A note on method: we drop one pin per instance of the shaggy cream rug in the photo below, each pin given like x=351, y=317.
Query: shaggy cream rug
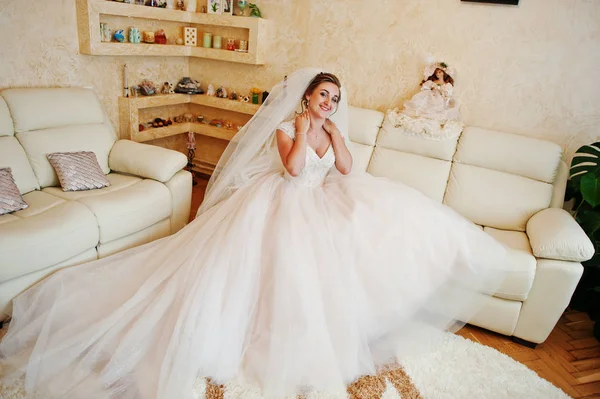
x=455, y=368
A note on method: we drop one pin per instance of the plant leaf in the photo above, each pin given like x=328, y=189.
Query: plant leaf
x=590, y=188
x=586, y=159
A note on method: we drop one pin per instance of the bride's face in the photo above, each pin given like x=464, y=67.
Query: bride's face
x=323, y=101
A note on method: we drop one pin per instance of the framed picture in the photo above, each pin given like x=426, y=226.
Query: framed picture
x=214, y=7
x=507, y=2
x=227, y=7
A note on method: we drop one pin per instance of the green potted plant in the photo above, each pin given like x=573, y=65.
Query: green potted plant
x=583, y=189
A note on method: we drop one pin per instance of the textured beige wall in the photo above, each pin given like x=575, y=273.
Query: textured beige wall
x=40, y=48
x=528, y=69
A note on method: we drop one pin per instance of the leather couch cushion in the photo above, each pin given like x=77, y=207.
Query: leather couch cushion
x=427, y=175
x=48, y=232
x=46, y=108
x=554, y=234
x=496, y=199
x=13, y=156
x=509, y=153
x=117, y=182
x=128, y=205
x=396, y=139
x=363, y=125
x=97, y=138
x=521, y=264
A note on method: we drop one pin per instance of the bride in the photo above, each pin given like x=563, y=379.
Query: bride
x=297, y=275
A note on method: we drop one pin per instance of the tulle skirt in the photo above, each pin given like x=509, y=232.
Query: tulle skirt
x=280, y=287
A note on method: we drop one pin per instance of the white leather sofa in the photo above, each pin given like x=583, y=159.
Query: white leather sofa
x=149, y=196
x=512, y=187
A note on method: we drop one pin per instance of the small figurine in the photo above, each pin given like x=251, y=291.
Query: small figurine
x=119, y=35
x=159, y=122
x=188, y=86
x=180, y=5
x=254, y=11
x=216, y=122
x=245, y=99
x=179, y=41
x=147, y=88
x=134, y=35
x=160, y=37
x=188, y=117
x=167, y=88
x=200, y=118
x=228, y=125
x=105, y=35
x=210, y=91
x=265, y=94
x=233, y=96
x=148, y=37
x=222, y=92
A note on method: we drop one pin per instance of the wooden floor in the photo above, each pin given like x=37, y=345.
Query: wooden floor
x=570, y=357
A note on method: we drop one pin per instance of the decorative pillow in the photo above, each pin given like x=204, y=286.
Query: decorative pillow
x=78, y=171
x=10, y=197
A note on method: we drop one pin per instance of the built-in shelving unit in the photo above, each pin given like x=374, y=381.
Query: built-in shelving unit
x=130, y=109
x=91, y=12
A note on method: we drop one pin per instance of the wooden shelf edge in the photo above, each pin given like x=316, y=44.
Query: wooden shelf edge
x=139, y=11
x=226, y=104
x=167, y=14
x=169, y=50
x=161, y=132
x=157, y=100
x=213, y=131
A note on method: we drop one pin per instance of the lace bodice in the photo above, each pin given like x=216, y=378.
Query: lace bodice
x=315, y=168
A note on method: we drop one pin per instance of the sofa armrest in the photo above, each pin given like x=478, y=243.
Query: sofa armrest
x=144, y=160
x=554, y=234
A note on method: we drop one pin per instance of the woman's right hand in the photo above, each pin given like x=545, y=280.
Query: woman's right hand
x=302, y=123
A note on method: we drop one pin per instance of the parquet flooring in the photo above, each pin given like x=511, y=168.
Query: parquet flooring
x=569, y=359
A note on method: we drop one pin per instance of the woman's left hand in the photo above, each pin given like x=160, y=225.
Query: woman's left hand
x=330, y=127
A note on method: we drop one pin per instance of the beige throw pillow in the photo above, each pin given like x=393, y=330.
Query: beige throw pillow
x=10, y=197
x=78, y=171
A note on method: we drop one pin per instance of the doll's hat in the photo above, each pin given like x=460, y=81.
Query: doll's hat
x=430, y=69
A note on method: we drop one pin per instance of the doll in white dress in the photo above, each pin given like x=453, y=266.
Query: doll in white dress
x=432, y=112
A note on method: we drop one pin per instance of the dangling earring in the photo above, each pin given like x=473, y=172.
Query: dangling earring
x=304, y=104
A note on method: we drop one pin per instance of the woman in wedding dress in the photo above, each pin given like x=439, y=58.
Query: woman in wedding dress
x=297, y=275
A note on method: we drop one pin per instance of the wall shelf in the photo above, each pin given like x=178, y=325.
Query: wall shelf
x=131, y=107
x=89, y=14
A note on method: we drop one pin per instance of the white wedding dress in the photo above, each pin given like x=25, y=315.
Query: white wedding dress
x=289, y=285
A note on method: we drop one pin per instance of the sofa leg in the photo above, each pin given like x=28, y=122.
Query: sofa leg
x=523, y=342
